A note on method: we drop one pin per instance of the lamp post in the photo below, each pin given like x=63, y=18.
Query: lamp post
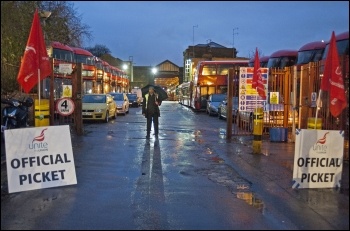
x=44, y=15
x=131, y=68
x=233, y=41
x=154, y=72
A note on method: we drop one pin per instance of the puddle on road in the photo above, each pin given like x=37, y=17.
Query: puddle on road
x=250, y=199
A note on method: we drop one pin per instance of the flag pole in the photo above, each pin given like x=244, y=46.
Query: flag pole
x=256, y=103
x=318, y=103
x=39, y=104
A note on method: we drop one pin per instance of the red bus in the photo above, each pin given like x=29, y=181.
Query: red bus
x=107, y=75
x=342, y=41
x=211, y=78
x=99, y=75
x=125, y=82
x=119, y=80
x=88, y=69
x=263, y=61
x=282, y=59
x=311, y=52
x=62, y=54
x=114, y=78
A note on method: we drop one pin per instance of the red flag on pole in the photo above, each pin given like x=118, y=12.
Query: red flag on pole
x=35, y=65
x=332, y=80
x=258, y=82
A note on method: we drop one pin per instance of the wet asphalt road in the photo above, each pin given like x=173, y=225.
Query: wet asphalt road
x=189, y=178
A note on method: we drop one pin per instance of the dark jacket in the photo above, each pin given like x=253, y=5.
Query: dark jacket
x=149, y=106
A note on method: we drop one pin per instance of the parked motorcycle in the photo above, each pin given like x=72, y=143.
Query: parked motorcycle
x=15, y=114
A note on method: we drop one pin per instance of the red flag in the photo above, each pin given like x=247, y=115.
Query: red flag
x=35, y=61
x=332, y=80
x=258, y=82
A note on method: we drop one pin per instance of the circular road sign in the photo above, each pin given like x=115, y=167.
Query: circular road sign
x=65, y=106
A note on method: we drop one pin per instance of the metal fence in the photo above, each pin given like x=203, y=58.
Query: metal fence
x=300, y=108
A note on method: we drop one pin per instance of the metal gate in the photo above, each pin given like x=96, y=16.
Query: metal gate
x=298, y=88
x=283, y=115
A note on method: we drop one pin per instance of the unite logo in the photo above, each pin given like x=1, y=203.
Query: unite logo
x=38, y=144
x=320, y=146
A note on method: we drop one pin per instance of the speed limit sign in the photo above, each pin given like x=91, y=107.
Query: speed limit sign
x=65, y=106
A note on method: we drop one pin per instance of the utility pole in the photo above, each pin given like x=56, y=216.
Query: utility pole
x=233, y=40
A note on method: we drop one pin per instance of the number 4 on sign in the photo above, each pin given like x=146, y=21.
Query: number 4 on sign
x=65, y=106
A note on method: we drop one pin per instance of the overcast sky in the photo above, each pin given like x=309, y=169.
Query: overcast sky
x=152, y=32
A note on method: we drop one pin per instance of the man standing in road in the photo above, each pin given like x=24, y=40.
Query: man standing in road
x=150, y=109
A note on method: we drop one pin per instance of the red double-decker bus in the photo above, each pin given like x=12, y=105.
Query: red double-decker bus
x=61, y=54
x=263, y=61
x=106, y=77
x=282, y=59
x=125, y=82
x=311, y=52
x=114, y=78
x=211, y=78
x=88, y=70
x=342, y=41
x=119, y=80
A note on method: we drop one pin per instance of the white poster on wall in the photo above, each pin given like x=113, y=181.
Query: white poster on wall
x=40, y=157
x=318, y=159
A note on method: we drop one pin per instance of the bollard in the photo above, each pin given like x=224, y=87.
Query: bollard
x=257, y=129
x=42, y=113
x=312, y=123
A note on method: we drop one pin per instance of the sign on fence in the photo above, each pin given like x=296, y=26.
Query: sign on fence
x=249, y=98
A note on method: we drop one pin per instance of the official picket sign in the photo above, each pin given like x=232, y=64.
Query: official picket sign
x=318, y=159
x=40, y=157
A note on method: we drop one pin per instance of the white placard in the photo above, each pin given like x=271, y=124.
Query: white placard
x=318, y=159
x=40, y=157
x=65, y=68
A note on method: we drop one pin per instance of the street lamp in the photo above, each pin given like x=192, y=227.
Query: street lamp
x=44, y=15
x=154, y=72
x=131, y=68
x=125, y=67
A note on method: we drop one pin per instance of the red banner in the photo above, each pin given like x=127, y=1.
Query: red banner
x=332, y=80
x=258, y=82
x=35, y=65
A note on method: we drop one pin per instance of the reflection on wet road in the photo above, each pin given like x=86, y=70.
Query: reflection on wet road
x=149, y=209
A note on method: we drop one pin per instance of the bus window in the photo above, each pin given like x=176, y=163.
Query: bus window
x=342, y=41
x=209, y=70
x=223, y=69
x=263, y=61
x=311, y=52
x=282, y=58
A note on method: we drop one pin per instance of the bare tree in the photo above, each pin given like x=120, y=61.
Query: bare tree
x=63, y=25
x=252, y=53
x=98, y=50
